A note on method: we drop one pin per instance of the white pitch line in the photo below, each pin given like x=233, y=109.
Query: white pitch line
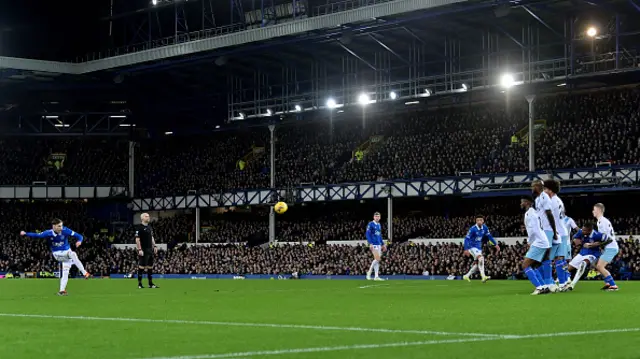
x=254, y=325
x=373, y=286
x=394, y=345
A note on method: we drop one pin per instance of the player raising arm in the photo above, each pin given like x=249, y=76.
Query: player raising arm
x=58, y=239
x=473, y=247
x=376, y=245
x=538, y=245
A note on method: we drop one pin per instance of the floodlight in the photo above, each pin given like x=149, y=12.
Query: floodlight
x=592, y=31
x=427, y=92
x=393, y=95
x=269, y=112
x=168, y=133
x=507, y=81
x=331, y=103
x=241, y=115
x=217, y=126
x=298, y=108
x=364, y=99
x=464, y=87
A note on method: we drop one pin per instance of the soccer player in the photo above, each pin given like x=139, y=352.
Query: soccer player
x=538, y=245
x=570, y=225
x=473, y=248
x=610, y=250
x=543, y=206
x=58, y=238
x=590, y=242
x=376, y=245
x=559, y=247
x=146, y=244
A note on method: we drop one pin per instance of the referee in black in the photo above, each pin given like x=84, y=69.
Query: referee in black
x=146, y=245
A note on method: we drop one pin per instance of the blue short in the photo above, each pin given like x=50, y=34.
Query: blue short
x=535, y=253
x=564, y=249
x=609, y=254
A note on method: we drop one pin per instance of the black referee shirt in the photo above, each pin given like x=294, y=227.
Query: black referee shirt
x=145, y=233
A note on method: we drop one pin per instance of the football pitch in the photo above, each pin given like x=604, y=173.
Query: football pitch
x=189, y=319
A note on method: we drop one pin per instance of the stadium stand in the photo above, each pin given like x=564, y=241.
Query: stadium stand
x=473, y=138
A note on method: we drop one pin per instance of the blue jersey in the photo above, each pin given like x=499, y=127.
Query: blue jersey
x=595, y=236
x=57, y=242
x=374, y=233
x=476, y=234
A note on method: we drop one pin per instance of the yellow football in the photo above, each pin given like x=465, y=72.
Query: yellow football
x=280, y=207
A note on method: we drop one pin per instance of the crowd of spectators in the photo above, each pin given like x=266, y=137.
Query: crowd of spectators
x=100, y=258
x=581, y=129
x=86, y=161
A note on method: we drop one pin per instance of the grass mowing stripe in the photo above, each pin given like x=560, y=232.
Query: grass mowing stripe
x=253, y=325
x=392, y=345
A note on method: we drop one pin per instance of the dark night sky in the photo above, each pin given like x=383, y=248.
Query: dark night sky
x=52, y=30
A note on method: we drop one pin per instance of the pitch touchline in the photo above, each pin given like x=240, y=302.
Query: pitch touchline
x=392, y=345
x=254, y=325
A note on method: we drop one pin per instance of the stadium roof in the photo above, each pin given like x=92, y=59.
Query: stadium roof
x=193, y=86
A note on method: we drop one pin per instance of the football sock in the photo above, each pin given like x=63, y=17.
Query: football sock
x=533, y=277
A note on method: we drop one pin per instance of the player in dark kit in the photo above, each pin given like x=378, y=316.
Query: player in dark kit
x=146, y=245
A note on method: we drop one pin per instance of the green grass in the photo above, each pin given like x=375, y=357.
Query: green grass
x=498, y=307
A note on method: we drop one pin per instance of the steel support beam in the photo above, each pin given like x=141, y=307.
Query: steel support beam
x=356, y=55
x=530, y=12
x=384, y=46
x=507, y=34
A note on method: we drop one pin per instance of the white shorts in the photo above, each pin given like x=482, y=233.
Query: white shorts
x=62, y=256
x=575, y=262
x=377, y=249
x=475, y=252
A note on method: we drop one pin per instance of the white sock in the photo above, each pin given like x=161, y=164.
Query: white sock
x=64, y=277
x=481, y=266
x=376, y=267
x=473, y=269
x=373, y=264
x=77, y=263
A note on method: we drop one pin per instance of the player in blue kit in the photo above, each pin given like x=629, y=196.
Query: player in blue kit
x=58, y=238
x=376, y=245
x=473, y=248
x=590, y=242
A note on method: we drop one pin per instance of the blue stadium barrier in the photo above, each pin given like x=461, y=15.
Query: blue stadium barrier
x=275, y=277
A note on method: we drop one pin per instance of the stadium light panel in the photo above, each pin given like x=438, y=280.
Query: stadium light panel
x=393, y=95
x=331, y=103
x=364, y=99
x=118, y=116
x=427, y=92
x=592, y=32
x=154, y=2
x=464, y=87
x=507, y=81
x=217, y=126
x=269, y=112
x=241, y=115
x=298, y=108
x=168, y=133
